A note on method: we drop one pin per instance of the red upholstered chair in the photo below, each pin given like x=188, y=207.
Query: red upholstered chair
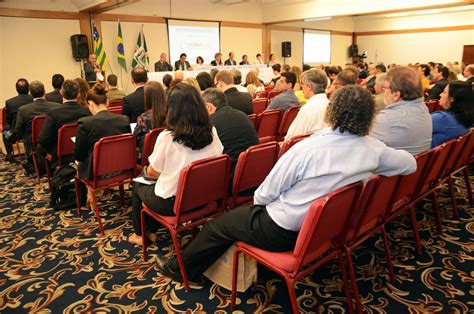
x=253, y=120
x=114, y=163
x=288, y=116
x=292, y=141
x=149, y=144
x=273, y=93
x=116, y=103
x=262, y=94
x=36, y=126
x=259, y=105
x=64, y=148
x=269, y=87
x=116, y=110
x=367, y=220
x=268, y=123
x=319, y=240
x=251, y=169
x=433, y=105
x=201, y=195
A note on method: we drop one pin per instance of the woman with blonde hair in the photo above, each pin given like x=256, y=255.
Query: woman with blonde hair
x=193, y=82
x=253, y=83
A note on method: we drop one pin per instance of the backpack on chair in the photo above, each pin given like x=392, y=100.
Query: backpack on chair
x=63, y=191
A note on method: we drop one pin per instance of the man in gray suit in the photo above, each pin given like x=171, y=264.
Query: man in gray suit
x=162, y=65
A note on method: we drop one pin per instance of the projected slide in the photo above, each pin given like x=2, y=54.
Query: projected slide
x=194, y=39
x=317, y=47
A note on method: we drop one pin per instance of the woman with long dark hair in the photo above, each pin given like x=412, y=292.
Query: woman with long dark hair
x=189, y=137
x=154, y=115
x=457, y=118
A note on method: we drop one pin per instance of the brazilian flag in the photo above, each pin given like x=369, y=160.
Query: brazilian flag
x=120, y=49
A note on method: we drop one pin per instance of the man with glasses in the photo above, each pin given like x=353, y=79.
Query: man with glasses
x=286, y=98
x=224, y=81
x=405, y=123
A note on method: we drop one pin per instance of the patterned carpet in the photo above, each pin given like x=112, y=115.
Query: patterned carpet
x=56, y=262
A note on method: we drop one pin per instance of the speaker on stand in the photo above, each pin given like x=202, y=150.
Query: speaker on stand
x=285, y=50
x=80, y=49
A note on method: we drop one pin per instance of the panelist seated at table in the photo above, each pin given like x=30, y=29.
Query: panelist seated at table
x=182, y=64
x=162, y=65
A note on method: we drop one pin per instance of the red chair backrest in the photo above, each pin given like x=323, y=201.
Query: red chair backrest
x=116, y=103
x=273, y=93
x=326, y=223
x=433, y=105
x=268, y=122
x=262, y=94
x=292, y=141
x=286, y=120
x=202, y=182
x=65, y=144
x=253, y=166
x=269, y=87
x=114, y=154
x=259, y=105
x=253, y=120
x=466, y=153
x=116, y=110
x=455, y=155
x=149, y=144
x=36, y=126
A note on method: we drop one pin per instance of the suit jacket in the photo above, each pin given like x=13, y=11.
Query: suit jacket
x=162, y=67
x=114, y=93
x=25, y=117
x=54, y=96
x=214, y=63
x=438, y=88
x=238, y=100
x=89, y=72
x=13, y=105
x=134, y=104
x=228, y=62
x=68, y=112
x=470, y=80
x=89, y=131
x=177, y=65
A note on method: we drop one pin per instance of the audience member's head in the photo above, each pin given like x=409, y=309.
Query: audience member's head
x=57, y=81
x=223, y=80
x=306, y=67
x=379, y=81
x=297, y=70
x=344, y=78
x=83, y=91
x=469, y=71
x=205, y=80
x=252, y=78
x=155, y=100
x=139, y=76
x=214, y=99
x=372, y=69
x=167, y=78
x=22, y=86
x=237, y=76
x=424, y=70
x=96, y=97
x=179, y=75
x=276, y=68
x=440, y=72
x=353, y=69
x=287, y=81
x=380, y=68
x=402, y=83
x=452, y=76
x=112, y=80
x=214, y=73
x=458, y=98
x=313, y=82
x=351, y=110
x=70, y=90
x=285, y=68
x=37, y=89
x=193, y=82
x=331, y=72
x=361, y=66
x=187, y=117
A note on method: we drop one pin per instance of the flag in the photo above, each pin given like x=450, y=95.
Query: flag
x=120, y=49
x=99, y=48
x=140, y=57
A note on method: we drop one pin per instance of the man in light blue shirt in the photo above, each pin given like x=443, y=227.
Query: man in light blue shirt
x=330, y=159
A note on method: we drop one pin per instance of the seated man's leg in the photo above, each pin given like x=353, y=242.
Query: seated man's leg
x=251, y=225
x=8, y=145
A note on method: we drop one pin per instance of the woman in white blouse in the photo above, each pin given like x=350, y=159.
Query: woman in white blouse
x=189, y=137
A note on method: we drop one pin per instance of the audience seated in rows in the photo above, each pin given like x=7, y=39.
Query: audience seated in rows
x=405, y=123
x=193, y=82
x=275, y=82
x=469, y=73
x=55, y=96
x=362, y=70
x=457, y=118
x=205, y=80
x=440, y=76
x=83, y=91
x=379, y=93
x=113, y=92
x=286, y=98
x=134, y=103
x=424, y=71
x=189, y=136
x=253, y=83
x=310, y=118
x=154, y=115
x=343, y=78
x=238, y=80
x=224, y=81
x=310, y=169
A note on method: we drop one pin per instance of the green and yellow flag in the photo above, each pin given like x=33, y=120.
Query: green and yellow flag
x=120, y=49
x=99, y=48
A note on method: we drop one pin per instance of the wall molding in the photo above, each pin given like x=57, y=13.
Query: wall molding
x=417, y=30
x=41, y=14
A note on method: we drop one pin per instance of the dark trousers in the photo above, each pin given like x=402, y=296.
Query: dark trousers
x=7, y=141
x=251, y=225
x=146, y=194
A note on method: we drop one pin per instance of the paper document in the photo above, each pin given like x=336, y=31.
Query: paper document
x=73, y=139
x=142, y=180
x=132, y=126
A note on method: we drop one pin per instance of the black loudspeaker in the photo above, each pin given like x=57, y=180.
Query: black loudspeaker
x=80, y=47
x=353, y=51
x=286, y=49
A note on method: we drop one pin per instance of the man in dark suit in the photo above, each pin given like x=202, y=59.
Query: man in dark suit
x=440, y=75
x=134, y=103
x=91, y=69
x=55, y=95
x=68, y=112
x=224, y=81
x=25, y=116
x=231, y=60
x=12, y=106
x=162, y=65
x=182, y=64
x=469, y=73
x=217, y=59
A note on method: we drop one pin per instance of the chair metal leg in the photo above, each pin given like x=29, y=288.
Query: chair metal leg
x=96, y=209
x=177, y=248
x=355, y=289
x=122, y=195
x=345, y=281
x=434, y=204
x=235, y=269
x=78, y=198
x=452, y=194
x=35, y=164
x=414, y=227
x=468, y=185
x=143, y=230
x=387, y=254
x=291, y=291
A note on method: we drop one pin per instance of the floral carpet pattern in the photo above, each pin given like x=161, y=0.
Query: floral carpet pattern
x=58, y=262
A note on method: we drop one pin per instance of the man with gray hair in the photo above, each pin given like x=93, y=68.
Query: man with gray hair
x=378, y=96
x=310, y=118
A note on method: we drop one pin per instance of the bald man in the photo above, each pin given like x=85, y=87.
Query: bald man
x=162, y=65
